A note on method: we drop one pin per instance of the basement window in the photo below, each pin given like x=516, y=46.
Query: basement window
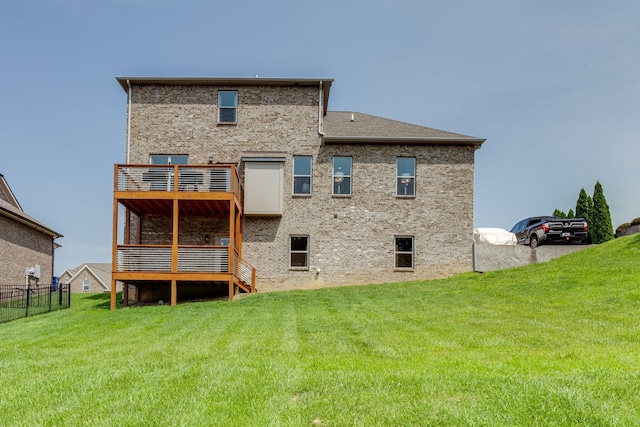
x=299, y=252
x=403, y=252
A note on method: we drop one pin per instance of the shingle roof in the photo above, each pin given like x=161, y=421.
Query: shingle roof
x=101, y=271
x=10, y=211
x=354, y=127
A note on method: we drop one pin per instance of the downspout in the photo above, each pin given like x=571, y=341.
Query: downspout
x=320, y=110
x=128, y=121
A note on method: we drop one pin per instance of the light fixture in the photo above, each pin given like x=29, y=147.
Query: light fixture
x=206, y=238
x=405, y=178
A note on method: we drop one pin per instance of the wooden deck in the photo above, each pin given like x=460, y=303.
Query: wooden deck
x=178, y=192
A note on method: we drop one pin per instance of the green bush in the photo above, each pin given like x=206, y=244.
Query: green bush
x=635, y=221
x=623, y=227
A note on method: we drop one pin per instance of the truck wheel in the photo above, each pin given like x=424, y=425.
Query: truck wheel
x=533, y=241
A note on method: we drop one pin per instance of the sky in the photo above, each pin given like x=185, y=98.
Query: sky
x=554, y=87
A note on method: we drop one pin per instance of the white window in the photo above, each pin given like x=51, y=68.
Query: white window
x=342, y=175
x=169, y=159
x=403, y=252
x=85, y=285
x=302, y=174
x=227, y=106
x=406, y=176
x=299, y=252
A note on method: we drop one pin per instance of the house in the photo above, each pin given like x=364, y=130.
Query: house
x=233, y=183
x=90, y=277
x=27, y=246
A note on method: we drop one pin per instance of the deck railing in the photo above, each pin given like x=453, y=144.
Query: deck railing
x=190, y=178
x=245, y=271
x=157, y=258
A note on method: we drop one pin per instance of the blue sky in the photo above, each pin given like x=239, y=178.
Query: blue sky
x=554, y=87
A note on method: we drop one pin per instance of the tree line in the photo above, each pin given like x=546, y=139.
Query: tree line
x=595, y=211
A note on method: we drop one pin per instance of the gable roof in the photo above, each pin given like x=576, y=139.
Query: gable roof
x=354, y=127
x=101, y=271
x=7, y=194
x=11, y=209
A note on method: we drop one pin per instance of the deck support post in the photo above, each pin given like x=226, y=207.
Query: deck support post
x=125, y=295
x=174, y=293
x=114, y=244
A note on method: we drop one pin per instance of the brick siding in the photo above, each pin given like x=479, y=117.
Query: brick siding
x=351, y=238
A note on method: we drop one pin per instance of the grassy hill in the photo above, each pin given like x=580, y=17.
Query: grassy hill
x=547, y=344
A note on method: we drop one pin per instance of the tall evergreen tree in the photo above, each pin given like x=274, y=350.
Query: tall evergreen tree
x=570, y=214
x=584, y=206
x=559, y=214
x=601, y=217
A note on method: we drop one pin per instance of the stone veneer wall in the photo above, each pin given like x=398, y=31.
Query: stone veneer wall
x=351, y=238
x=21, y=247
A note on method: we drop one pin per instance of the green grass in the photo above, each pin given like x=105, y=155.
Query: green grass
x=549, y=344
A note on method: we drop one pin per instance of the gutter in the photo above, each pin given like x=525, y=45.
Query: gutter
x=320, y=109
x=404, y=140
x=30, y=223
x=128, y=120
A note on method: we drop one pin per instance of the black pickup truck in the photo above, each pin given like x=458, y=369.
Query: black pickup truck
x=535, y=230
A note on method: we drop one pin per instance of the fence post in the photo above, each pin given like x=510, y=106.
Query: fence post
x=50, y=291
x=26, y=312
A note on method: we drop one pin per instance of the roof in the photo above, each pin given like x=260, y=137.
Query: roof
x=13, y=211
x=324, y=84
x=101, y=271
x=7, y=194
x=354, y=127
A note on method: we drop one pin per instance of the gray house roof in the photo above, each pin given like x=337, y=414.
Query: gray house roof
x=101, y=271
x=354, y=127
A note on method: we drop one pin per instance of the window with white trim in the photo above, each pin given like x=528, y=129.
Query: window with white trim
x=342, y=175
x=169, y=159
x=405, y=176
x=302, y=175
x=85, y=285
x=403, y=252
x=227, y=106
x=299, y=252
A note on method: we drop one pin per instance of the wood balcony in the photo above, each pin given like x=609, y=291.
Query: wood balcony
x=179, y=193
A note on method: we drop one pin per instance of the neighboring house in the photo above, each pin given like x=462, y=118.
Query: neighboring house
x=91, y=277
x=233, y=181
x=25, y=243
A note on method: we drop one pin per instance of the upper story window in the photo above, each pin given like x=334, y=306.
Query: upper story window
x=169, y=159
x=85, y=285
x=406, y=176
x=302, y=174
x=227, y=106
x=342, y=175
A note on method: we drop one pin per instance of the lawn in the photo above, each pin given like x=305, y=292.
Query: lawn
x=549, y=344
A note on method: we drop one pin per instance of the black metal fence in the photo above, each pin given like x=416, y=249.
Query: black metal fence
x=18, y=301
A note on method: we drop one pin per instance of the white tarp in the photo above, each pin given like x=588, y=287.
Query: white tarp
x=494, y=236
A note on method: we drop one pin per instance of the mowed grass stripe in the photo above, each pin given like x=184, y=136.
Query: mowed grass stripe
x=549, y=344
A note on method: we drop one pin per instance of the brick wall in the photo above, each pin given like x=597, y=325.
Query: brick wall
x=351, y=238
x=21, y=247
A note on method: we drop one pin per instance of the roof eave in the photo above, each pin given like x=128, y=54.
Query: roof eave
x=222, y=81
x=33, y=224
